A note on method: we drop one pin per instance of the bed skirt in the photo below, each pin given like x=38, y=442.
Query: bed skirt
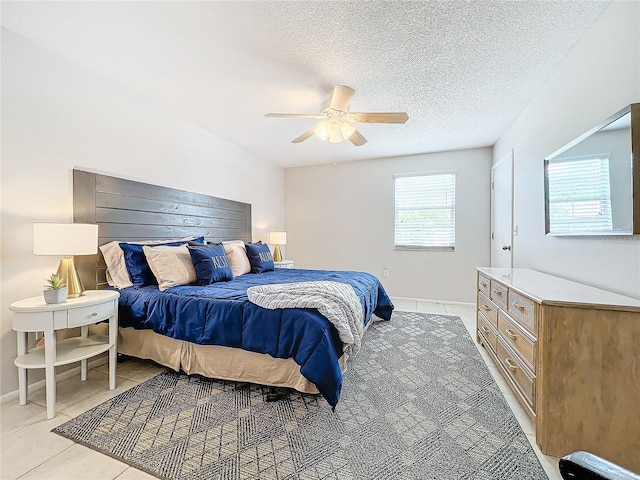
x=224, y=363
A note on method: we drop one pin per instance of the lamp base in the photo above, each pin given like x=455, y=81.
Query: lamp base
x=67, y=270
x=277, y=256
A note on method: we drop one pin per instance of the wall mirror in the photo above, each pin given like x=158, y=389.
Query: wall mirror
x=592, y=184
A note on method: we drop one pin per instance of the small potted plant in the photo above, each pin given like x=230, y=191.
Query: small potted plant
x=56, y=291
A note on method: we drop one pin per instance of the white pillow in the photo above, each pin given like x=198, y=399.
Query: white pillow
x=117, y=273
x=171, y=265
x=237, y=255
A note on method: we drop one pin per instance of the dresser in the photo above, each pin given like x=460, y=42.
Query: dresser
x=571, y=355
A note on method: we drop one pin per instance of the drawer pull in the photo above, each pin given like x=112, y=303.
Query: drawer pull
x=512, y=366
x=497, y=292
x=485, y=329
x=519, y=306
x=510, y=334
x=484, y=284
x=486, y=307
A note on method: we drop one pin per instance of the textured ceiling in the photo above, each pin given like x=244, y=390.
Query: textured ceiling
x=462, y=71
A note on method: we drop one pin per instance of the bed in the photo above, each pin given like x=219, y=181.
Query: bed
x=215, y=330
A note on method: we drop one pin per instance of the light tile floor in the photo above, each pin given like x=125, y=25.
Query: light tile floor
x=28, y=449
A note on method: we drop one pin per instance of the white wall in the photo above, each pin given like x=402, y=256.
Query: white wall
x=57, y=116
x=601, y=76
x=342, y=218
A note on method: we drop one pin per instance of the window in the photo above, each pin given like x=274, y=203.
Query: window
x=425, y=211
x=580, y=197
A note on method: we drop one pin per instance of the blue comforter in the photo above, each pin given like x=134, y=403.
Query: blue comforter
x=221, y=314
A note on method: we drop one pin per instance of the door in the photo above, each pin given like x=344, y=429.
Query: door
x=502, y=212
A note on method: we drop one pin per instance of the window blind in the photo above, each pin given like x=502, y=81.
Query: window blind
x=425, y=211
x=580, y=198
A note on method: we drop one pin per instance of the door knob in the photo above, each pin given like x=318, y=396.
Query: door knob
x=506, y=247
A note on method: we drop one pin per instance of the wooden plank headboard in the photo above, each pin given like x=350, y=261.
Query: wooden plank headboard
x=132, y=211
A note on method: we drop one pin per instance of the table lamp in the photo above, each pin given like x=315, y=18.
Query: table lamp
x=66, y=239
x=277, y=239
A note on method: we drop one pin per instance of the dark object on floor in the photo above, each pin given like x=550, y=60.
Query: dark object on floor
x=123, y=358
x=276, y=394
x=587, y=466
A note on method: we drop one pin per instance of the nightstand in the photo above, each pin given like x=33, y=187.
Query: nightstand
x=284, y=264
x=34, y=315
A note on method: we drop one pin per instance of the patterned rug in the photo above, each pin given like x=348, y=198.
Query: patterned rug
x=417, y=402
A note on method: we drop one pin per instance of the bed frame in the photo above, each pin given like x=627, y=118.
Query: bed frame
x=128, y=210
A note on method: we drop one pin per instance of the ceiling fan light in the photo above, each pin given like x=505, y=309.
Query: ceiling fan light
x=334, y=131
x=346, y=130
x=322, y=131
x=329, y=131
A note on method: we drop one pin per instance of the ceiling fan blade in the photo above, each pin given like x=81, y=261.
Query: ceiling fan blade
x=357, y=139
x=304, y=136
x=340, y=97
x=293, y=115
x=381, y=117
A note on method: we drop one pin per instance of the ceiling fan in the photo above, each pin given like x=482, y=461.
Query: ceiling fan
x=338, y=122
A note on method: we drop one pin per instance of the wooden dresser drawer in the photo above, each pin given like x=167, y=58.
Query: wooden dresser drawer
x=484, y=284
x=499, y=294
x=523, y=310
x=516, y=370
x=487, y=332
x=523, y=343
x=488, y=308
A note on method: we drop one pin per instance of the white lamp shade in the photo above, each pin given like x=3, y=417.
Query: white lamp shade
x=278, y=238
x=65, y=239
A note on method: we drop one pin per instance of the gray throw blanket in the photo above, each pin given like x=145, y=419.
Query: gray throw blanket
x=336, y=301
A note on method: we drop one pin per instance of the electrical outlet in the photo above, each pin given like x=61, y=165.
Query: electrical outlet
x=385, y=273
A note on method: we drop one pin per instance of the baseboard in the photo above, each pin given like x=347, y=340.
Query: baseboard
x=35, y=386
x=441, y=302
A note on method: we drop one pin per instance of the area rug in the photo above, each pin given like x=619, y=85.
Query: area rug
x=417, y=402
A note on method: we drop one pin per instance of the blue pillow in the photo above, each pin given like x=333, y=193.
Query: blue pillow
x=211, y=263
x=259, y=257
x=136, y=262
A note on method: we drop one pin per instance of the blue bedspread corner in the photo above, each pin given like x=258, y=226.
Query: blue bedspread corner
x=384, y=307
